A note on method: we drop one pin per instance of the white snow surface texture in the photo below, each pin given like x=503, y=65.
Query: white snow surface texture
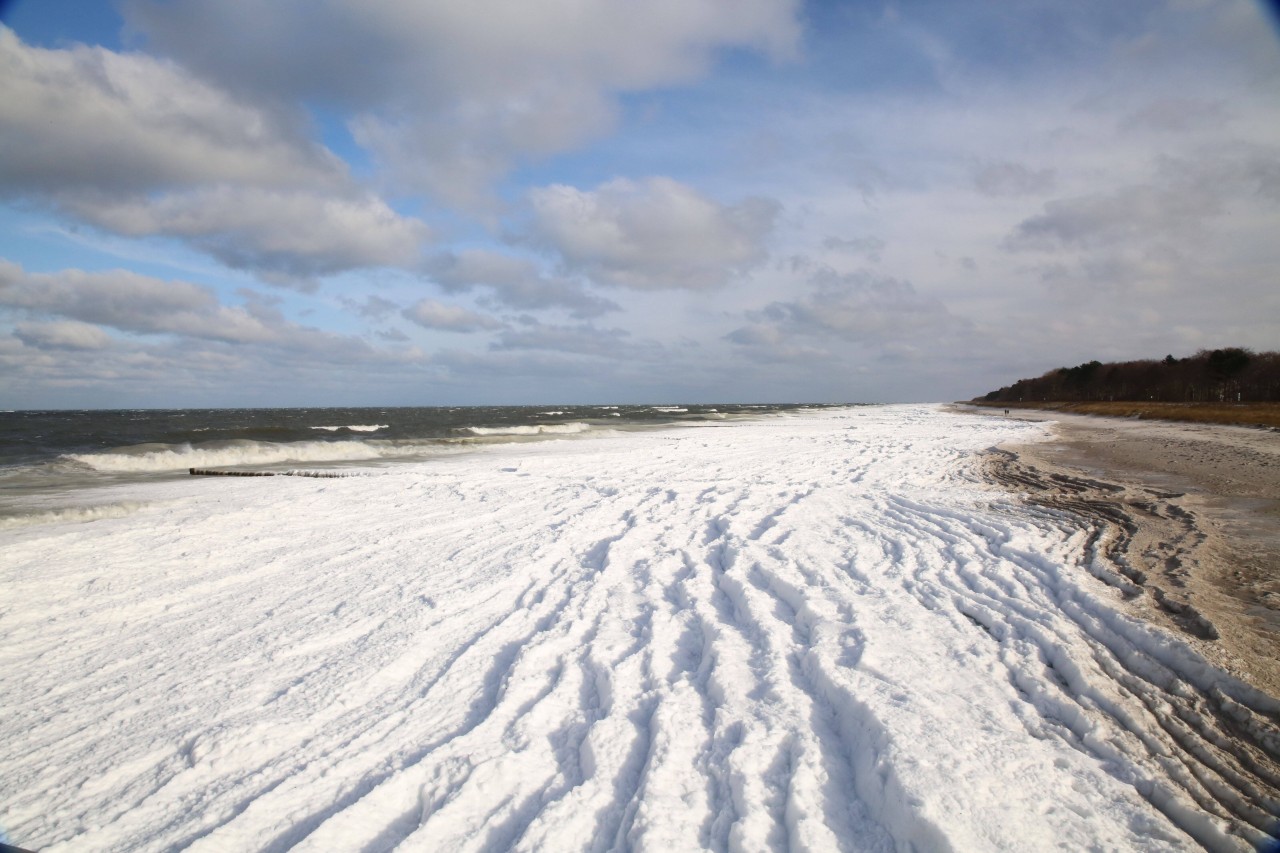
x=820, y=631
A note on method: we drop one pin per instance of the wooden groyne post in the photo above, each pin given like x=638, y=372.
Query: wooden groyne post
x=209, y=472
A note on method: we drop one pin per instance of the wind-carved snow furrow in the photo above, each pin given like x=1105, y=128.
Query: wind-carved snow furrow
x=484, y=706
x=1214, y=777
x=840, y=754
x=480, y=708
x=817, y=632
x=772, y=618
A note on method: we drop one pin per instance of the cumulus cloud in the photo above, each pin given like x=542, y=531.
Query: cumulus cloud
x=651, y=235
x=770, y=344
x=1111, y=218
x=449, y=318
x=87, y=118
x=455, y=153
x=136, y=146
x=65, y=335
x=143, y=305
x=490, y=84
x=128, y=302
x=1172, y=208
x=185, y=371
x=358, y=53
x=859, y=307
x=373, y=307
x=293, y=235
x=515, y=282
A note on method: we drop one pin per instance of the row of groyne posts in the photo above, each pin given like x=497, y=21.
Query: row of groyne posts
x=321, y=475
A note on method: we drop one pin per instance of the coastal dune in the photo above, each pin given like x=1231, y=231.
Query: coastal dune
x=846, y=629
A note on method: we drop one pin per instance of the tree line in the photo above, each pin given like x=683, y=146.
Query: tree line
x=1230, y=375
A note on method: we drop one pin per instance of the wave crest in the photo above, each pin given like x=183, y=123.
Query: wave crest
x=354, y=427
x=169, y=457
x=535, y=429
x=74, y=514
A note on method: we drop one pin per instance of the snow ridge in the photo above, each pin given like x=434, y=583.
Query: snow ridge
x=821, y=632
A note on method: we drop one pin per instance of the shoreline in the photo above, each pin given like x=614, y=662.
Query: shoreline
x=1189, y=515
x=838, y=594
x=1255, y=415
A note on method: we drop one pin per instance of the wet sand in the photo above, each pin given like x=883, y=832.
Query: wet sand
x=1187, y=514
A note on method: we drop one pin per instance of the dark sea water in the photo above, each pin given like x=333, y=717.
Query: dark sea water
x=44, y=450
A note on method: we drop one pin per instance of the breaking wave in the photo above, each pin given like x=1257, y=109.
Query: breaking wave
x=74, y=514
x=159, y=458
x=354, y=427
x=534, y=429
x=171, y=457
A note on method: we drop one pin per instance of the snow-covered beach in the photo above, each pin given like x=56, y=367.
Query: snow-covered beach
x=822, y=630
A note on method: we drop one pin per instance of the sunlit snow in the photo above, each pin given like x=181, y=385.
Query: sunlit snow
x=820, y=631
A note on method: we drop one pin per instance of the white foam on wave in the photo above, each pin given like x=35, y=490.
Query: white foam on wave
x=354, y=427
x=668, y=409
x=537, y=429
x=73, y=514
x=176, y=457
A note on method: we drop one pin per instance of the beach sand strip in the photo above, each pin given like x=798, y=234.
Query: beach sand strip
x=1189, y=515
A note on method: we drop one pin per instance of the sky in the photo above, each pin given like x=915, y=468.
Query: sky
x=423, y=202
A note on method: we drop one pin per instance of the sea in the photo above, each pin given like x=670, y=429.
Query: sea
x=44, y=454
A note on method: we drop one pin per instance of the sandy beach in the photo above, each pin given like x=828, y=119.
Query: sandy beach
x=1194, y=518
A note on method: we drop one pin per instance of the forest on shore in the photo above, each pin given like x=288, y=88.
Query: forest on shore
x=1229, y=375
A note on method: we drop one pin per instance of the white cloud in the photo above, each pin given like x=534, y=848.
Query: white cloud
x=449, y=95
x=873, y=312
x=450, y=318
x=295, y=234
x=1136, y=212
x=85, y=118
x=515, y=282
x=142, y=305
x=68, y=335
x=1124, y=152
x=129, y=302
x=651, y=235
x=184, y=371
x=373, y=307
x=455, y=153
x=582, y=339
x=1201, y=221
x=768, y=344
x=137, y=146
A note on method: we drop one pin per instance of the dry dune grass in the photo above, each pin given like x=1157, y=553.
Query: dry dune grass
x=1243, y=414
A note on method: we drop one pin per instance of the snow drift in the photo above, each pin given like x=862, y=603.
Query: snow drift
x=814, y=632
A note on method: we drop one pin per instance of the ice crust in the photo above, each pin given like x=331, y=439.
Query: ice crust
x=818, y=631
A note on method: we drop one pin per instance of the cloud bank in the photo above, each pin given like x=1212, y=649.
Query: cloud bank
x=433, y=202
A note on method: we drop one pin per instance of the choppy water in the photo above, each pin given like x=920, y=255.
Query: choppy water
x=59, y=450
